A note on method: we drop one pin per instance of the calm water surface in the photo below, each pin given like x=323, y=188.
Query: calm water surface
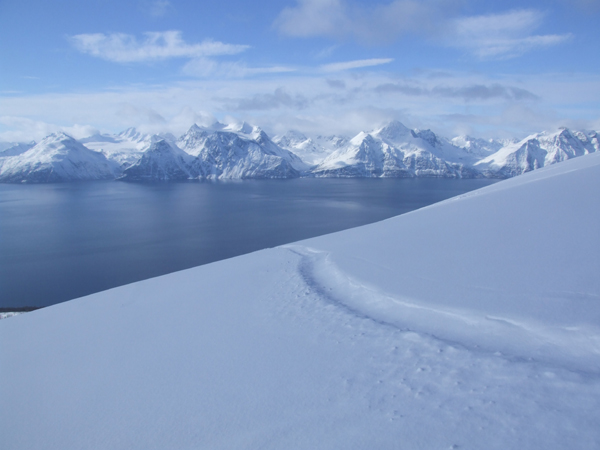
x=62, y=241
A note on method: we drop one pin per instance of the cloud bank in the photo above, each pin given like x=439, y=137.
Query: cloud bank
x=125, y=48
x=505, y=35
x=338, y=67
x=374, y=24
x=493, y=36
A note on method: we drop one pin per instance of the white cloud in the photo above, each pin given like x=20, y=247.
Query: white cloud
x=313, y=18
x=445, y=103
x=206, y=67
x=157, y=8
x=337, y=67
x=493, y=36
x=120, y=47
x=380, y=22
x=589, y=6
x=25, y=130
x=505, y=35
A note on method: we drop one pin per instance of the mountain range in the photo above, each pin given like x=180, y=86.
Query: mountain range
x=242, y=151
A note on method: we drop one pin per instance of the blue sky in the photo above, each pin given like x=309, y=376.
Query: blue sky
x=489, y=69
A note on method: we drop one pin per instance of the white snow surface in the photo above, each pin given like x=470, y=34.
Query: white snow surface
x=311, y=151
x=473, y=323
x=125, y=148
x=479, y=147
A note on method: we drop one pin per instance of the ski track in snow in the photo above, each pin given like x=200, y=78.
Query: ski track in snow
x=516, y=341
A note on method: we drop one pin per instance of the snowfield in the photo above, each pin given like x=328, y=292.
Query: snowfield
x=470, y=324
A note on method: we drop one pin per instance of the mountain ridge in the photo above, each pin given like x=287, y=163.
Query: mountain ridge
x=243, y=151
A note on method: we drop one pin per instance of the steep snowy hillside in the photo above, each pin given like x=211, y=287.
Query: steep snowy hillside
x=238, y=152
x=162, y=161
x=537, y=151
x=57, y=157
x=470, y=324
x=396, y=151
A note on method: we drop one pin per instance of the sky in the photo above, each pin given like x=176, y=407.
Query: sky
x=488, y=69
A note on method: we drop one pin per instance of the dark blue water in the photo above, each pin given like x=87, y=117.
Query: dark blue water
x=62, y=241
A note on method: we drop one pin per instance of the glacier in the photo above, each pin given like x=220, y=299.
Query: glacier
x=471, y=323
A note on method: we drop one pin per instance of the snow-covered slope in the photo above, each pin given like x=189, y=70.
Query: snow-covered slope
x=396, y=151
x=537, y=151
x=311, y=151
x=125, y=148
x=162, y=161
x=479, y=147
x=470, y=324
x=15, y=148
x=239, y=151
x=57, y=157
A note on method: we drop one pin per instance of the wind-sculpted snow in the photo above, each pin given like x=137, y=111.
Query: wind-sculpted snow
x=515, y=338
x=56, y=158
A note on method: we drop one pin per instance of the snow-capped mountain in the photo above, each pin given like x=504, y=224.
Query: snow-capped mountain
x=57, y=157
x=238, y=151
x=396, y=151
x=538, y=150
x=162, y=161
x=311, y=151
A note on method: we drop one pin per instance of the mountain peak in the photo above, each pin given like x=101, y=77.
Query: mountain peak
x=242, y=127
x=129, y=133
x=194, y=129
x=393, y=131
x=59, y=136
